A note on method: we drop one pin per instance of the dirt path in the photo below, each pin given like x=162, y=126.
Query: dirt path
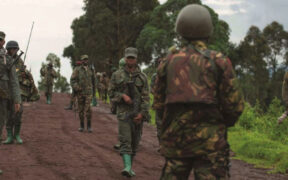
x=53, y=149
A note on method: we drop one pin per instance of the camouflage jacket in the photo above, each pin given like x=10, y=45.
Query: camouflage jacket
x=119, y=85
x=196, y=75
x=82, y=80
x=285, y=89
x=9, y=86
x=49, y=75
x=29, y=92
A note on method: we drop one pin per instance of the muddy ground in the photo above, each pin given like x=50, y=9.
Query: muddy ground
x=53, y=148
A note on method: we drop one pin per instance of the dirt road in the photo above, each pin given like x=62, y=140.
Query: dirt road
x=53, y=148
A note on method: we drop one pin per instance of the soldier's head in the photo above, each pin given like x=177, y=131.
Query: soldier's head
x=194, y=22
x=2, y=39
x=84, y=59
x=131, y=57
x=50, y=65
x=12, y=47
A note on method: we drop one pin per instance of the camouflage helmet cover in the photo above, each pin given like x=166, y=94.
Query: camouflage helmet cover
x=194, y=22
x=12, y=44
x=2, y=35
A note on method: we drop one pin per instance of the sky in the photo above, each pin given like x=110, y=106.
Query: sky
x=53, y=18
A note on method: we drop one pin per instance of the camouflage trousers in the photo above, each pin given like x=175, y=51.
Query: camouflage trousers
x=84, y=108
x=158, y=121
x=3, y=114
x=14, y=119
x=129, y=136
x=209, y=167
x=48, y=90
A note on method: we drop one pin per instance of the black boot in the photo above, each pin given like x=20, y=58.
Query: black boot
x=81, y=126
x=89, y=126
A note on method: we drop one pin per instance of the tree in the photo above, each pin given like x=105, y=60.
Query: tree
x=107, y=28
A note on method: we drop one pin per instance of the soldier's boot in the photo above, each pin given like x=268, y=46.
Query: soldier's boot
x=81, y=129
x=49, y=99
x=17, y=134
x=1, y=171
x=94, y=101
x=127, y=165
x=132, y=172
x=89, y=126
x=70, y=107
x=9, y=139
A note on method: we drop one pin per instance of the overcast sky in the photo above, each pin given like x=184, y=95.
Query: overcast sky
x=53, y=19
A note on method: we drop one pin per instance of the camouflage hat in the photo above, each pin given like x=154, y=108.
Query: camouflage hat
x=2, y=35
x=84, y=57
x=131, y=52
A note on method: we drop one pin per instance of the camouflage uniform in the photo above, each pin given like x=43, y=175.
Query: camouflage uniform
x=81, y=82
x=49, y=75
x=29, y=93
x=104, y=83
x=129, y=133
x=196, y=90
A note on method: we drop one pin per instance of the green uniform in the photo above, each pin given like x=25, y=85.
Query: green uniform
x=81, y=82
x=196, y=89
x=129, y=133
x=28, y=92
x=9, y=88
x=49, y=75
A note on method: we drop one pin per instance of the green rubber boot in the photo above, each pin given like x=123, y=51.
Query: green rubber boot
x=49, y=100
x=94, y=101
x=17, y=134
x=9, y=139
x=127, y=166
x=1, y=171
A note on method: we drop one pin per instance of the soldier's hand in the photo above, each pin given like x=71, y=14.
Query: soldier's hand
x=17, y=108
x=127, y=99
x=138, y=118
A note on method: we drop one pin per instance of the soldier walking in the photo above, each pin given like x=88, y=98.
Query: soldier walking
x=81, y=82
x=9, y=86
x=28, y=93
x=49, y=75
x=129, y=89
x=196, y=90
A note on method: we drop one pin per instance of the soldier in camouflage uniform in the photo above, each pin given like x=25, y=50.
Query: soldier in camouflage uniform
x=104, y=83
x=49, y=75
x=129, y=89
x=196, y=90
x=9, y=86
x=28, y=93
x=81, y=82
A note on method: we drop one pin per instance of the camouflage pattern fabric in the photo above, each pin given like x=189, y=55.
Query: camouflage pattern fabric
x=129, y=136
x=49, y=75
x=285, y=89
x=14, y=119
x=81, y=82
x=197, y=91
x=29, y=92
x=103, y=86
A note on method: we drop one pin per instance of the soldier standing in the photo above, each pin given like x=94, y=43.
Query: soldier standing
x=129, y=89
x=196, y=90
x=49, y=75
x=28, y=93
x=9, y=86
x=81, y=82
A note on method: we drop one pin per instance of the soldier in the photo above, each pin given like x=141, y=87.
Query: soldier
x=28, y=93
x=104, y=83
x=81, y=82
x=49, y=75
x=196, y=90
x=73, y=95
x=9, y=86
x=285, y=98
x=129, y=89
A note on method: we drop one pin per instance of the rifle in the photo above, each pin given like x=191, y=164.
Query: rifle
x=94, y=100
x=28, y=42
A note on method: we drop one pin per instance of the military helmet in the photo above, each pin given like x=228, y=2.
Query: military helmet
x=83, y=57
x=122, y=63
x=12, y=44
x=194, y=22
